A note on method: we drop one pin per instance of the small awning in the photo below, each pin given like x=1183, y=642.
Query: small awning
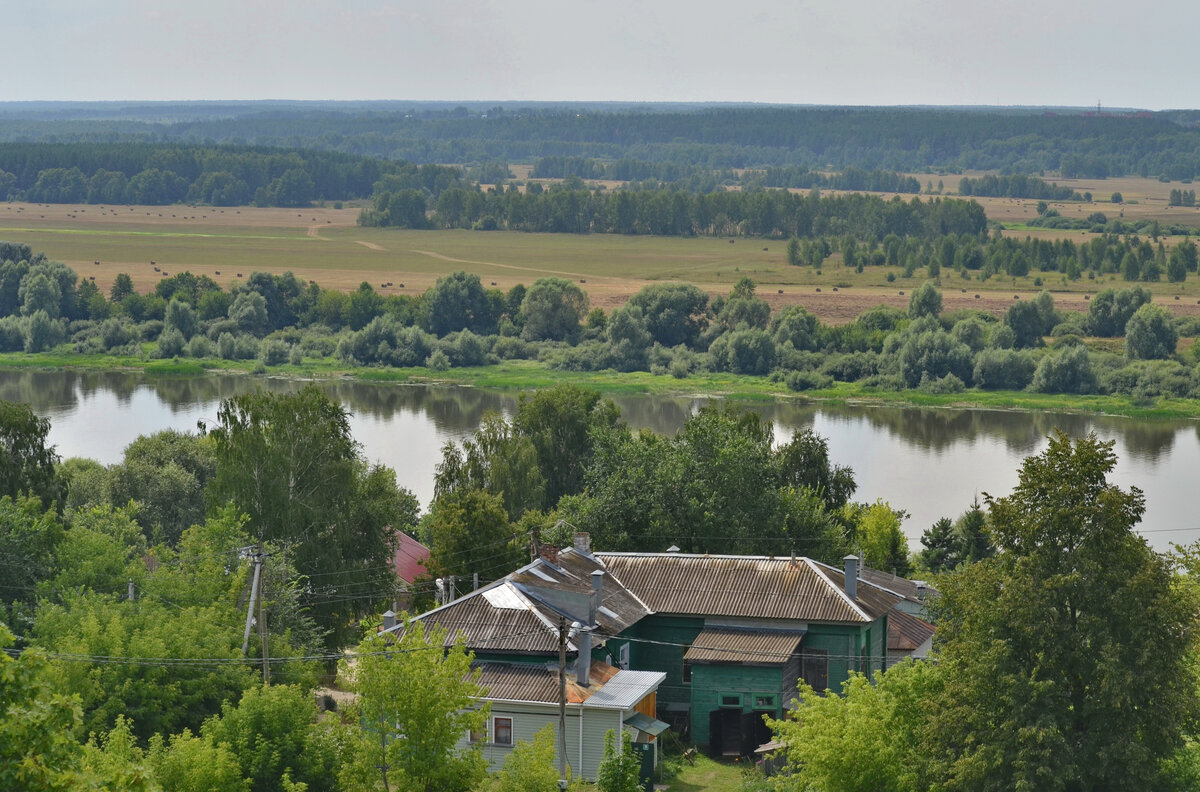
x=644, y=723
x=743, y=645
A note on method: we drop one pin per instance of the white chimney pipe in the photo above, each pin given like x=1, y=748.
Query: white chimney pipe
x=389, y=619
x=851, y=576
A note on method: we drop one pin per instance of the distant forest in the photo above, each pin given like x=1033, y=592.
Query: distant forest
x=158, y=174
x=1069, y=143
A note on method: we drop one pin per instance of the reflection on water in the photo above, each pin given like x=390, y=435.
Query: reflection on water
x=930, y=462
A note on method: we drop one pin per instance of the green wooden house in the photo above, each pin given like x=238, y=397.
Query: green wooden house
x=724, y=638
x=734, y=634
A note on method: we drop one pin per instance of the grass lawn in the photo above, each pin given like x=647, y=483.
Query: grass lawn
x=707, y=775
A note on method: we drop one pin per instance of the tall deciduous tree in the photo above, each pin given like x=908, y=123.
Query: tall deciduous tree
x=416, y=700
x=26, y=462
x=552, y=310
x=289, y=463
x=1067, y=656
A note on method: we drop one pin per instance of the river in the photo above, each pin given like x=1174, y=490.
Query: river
x=929, y=462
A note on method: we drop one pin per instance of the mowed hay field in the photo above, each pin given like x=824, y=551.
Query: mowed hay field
x=327, y=246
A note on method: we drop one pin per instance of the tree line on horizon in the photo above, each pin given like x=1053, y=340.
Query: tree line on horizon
x=951, y=140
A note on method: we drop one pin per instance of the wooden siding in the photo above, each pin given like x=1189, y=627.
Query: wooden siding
x=675, y=634
x=648, y=706
x=710, y=682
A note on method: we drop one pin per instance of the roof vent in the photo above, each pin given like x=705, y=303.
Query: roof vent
x=673, y=549
x=851, y=576
x=389, y=619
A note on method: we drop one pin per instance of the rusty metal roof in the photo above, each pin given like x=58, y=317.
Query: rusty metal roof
x=906, y=632
x=745, y=586
x=734, y=645
x=608, y=688
x=520, y=613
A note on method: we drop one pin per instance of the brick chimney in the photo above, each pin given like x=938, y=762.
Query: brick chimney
x=583, y=542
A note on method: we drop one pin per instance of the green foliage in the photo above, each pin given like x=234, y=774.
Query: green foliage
x=948, y=545
x=1067, y=656
x=273, y=735
x=619, y=769
x=417, y=697
x=530, y=766
x=561, y=422
x=290, y=464
x=552, y=310
x=166, y=474
x=186, y=763
x=29, y=541
x=718, y=485
x=497, y=459
x=1111, y=309
x=469, y=532
x=456, y=302
x=866, y=740
x=38, y=752
x=1150, y=334
x=26, y=462
x=1065, y=370
x=879, y=537
x=926, y=300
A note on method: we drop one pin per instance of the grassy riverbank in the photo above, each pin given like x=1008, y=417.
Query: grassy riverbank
x=524, y=375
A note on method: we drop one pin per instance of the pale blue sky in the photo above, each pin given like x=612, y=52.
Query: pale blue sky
x=788, y=51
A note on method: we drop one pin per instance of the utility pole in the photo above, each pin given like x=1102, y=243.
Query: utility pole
x=262, y=619
x=562, y=698
x=250, y=607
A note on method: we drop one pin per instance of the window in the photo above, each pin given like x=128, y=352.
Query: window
x=478, y=735
x=502, y=731
x=687, y=673
x=731, y=700
x=814, y=668
x=764, y=701
x=623, y=654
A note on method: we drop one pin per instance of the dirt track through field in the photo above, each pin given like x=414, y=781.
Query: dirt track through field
x=442, y=257
x=369, y=245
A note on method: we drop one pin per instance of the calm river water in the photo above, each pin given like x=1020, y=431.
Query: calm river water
x=928, y=462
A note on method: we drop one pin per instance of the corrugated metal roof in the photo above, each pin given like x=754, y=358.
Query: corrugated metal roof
x=733, y=645
x=906, y=632
x=903, y=586
x=609, y=688
x=625, y=689
x=408, y=562
x=520, y=613
x=487, y=627
x=744, y=586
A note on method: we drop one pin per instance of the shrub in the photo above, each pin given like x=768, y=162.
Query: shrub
x=170, y=343
x=438, y=361
x=201, y=347
x=1004, y=369
x=807, y=380
x=1065, y=371
x=946, y=384
x=273, y=352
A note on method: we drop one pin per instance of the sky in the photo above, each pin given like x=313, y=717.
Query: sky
x=851, y=52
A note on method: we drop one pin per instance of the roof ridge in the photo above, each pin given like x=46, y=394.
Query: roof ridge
x=840, y=591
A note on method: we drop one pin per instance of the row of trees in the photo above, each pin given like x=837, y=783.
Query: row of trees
x=672, y=329
x=665, y=211
x=1015, y=186
x=156, y=174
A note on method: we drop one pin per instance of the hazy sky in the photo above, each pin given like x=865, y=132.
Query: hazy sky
x=1060, y=52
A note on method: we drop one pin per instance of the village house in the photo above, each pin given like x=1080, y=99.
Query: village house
x=706, y=643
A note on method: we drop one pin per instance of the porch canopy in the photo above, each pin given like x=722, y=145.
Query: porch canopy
x=743, y=645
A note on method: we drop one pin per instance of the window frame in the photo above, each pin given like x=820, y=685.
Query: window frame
x=496, y=730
